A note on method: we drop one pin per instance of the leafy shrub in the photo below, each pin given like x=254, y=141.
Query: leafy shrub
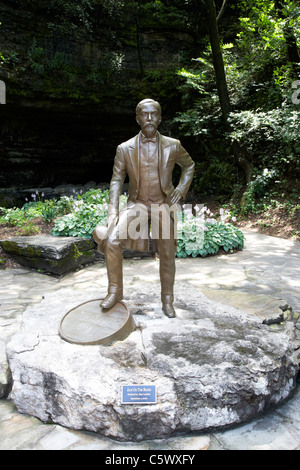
x=197, y=236
x=64, y=205
x=18, y=218
x=13, y=217
x=82, y=221
x=200, y=236
x=272, y=137
x=28, y=229
x=48, y=209
x=95, y=196
x=89, y=210
x=256, y=189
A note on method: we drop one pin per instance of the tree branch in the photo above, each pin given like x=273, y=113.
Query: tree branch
x=222, y=10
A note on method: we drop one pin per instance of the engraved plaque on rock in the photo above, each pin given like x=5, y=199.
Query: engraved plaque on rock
x=138, y=395
x=89, y=324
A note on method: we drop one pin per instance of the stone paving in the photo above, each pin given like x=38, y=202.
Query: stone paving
x=267, y=270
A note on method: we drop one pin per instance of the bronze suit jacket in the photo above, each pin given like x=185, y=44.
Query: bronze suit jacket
x=126, y=161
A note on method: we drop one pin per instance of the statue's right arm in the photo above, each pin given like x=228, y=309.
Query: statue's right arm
x=116, y=184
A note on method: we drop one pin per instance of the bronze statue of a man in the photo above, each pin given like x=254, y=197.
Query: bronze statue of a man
x=148, y=159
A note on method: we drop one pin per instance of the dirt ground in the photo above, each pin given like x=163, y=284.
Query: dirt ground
x=276, y=223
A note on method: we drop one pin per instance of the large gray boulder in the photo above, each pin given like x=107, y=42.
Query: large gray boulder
x=213, y=366
x=54, y=255
x=5, y=377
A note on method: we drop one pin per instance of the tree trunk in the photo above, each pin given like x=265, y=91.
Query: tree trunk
x=218, y=58
x=221, y=82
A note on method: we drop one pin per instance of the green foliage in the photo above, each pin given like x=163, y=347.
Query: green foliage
x=46, y=63
x=37, y=208
x=220, y=235
x=95, y=196
x=91, y=210
x=271, y=137
x=36, y=57
x=203, y=236
x=13, y=217
x=18, y=218
x=157, y=83
x=108, y=69
x=266, y=193
x=88, y=211
x=69, y=15
x=257, y=188
x=81, y=222
x=49, y=210
x=260, y=78
x=216, y=167
x=64, y=205
x=51, y=67
x=214, y=175
x=28, y=229
x=149, y=14
x=200, y=97
x=199, y=235
x=156, y=13
x=2, y=59
x=266, y=71
x=265, y=25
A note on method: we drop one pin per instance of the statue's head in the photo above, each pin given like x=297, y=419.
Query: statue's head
x=148, y=116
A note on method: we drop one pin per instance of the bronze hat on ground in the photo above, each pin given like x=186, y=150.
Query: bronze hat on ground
x=100, y=234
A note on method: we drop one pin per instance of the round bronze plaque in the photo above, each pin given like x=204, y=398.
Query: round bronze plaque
x=88, y=323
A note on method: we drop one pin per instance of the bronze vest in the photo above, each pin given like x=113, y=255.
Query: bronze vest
x=149, y=181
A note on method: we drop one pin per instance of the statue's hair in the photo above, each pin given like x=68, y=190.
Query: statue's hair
x=147, y=100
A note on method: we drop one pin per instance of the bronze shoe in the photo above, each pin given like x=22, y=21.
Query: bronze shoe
x=111, y=299
x=169, y=311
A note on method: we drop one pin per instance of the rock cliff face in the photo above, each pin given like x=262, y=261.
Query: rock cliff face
x=71, y=97
x=47, y=147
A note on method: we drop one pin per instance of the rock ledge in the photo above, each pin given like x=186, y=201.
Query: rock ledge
x=213, y=366
x=53, y=255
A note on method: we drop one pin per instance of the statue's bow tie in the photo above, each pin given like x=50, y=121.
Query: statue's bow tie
x=148, y=139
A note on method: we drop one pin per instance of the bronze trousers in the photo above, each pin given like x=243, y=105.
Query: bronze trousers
x=131, y=229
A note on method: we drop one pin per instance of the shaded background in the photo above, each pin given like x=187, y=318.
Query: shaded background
x=74, y=72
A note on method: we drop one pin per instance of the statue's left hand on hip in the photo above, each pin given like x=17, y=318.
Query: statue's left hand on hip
x=175, y=196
